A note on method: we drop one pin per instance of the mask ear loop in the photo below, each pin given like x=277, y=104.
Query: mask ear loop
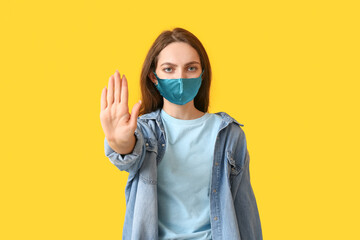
x=156, y=77
x=202, y=72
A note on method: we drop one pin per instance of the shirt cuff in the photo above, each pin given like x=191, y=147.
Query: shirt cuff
x=125, y=161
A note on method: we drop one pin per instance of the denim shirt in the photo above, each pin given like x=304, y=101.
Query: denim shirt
x=234, y=213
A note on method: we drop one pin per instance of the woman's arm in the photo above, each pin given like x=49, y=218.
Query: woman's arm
x=132, y=161
x=246, y=207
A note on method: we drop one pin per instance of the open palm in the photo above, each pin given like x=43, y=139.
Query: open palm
x=117, y=123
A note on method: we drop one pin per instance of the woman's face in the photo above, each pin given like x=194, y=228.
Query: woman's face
x=177, y=60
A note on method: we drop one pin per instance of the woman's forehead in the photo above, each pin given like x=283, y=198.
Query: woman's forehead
x=178, y=53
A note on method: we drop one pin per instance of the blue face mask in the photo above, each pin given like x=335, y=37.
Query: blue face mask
x=179, y=90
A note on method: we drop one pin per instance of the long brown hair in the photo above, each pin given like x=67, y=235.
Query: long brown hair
x=151, y=98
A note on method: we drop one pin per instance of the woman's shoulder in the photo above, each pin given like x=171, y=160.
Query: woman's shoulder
x=150, y=115
x=228, y=118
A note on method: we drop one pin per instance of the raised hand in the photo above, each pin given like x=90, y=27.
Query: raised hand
x=118, y=124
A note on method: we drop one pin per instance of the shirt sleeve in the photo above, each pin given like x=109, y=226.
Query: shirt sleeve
x=246, y=206
x=130, y=162
x=247, y=214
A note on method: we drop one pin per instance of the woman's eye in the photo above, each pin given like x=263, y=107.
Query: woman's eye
x=168, y=70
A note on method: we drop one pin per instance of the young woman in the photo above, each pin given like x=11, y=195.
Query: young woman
x=188, y=168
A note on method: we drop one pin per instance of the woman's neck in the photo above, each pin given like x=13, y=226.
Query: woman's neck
x=184, y=112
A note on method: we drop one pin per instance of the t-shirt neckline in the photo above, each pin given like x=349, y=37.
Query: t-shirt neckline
x=171, y=119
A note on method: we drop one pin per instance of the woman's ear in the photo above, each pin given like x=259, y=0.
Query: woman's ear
x=152, y=77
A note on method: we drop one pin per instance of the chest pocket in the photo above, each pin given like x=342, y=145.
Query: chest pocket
x=151, y=145
x=148, y=171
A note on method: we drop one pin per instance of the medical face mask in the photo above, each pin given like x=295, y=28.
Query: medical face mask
x=179, y=90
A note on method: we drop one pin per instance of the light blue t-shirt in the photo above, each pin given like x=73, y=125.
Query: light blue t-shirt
x=184, y=177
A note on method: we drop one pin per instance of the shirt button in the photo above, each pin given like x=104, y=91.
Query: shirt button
x=146, y=144
x=215, y=218
x=216, y=163
x=163, y=145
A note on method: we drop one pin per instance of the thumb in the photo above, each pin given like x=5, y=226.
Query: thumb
x=135, y=113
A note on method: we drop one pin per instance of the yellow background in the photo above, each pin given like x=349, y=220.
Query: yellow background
x=287, y=70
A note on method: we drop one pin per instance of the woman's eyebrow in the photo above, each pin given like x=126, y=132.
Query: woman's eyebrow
x=169, y=63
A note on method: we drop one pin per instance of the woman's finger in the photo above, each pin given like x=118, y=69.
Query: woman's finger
x=117, y=87
x=110, y=93
x=135, y=113
x=124, y=91
x=103, y=99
